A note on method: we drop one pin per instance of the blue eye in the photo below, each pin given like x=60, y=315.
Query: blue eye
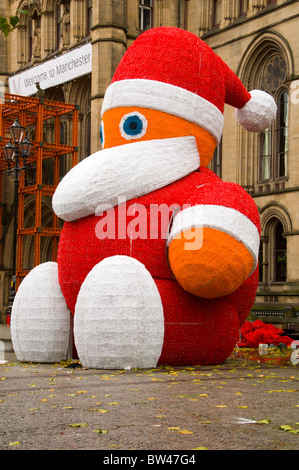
x=102, y=136
x=133, y=126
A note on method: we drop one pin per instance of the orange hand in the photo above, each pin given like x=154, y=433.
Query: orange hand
x=216, y=265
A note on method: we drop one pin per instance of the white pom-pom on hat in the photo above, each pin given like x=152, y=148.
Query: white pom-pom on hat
x=258, y=113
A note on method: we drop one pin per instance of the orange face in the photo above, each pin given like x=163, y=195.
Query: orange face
x=132, y=124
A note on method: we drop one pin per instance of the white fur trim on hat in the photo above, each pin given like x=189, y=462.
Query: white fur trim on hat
x=167, y=98
x=258, y=113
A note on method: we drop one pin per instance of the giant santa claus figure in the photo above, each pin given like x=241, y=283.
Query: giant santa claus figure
x=157, y=260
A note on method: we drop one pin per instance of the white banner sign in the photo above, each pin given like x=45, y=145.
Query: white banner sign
x=53, y=72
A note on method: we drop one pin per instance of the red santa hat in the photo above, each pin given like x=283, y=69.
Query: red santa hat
x=174, y=71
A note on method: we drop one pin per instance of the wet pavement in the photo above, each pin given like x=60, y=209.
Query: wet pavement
x=250, y=402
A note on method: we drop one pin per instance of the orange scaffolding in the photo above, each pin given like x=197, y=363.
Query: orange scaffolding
x=33, y=113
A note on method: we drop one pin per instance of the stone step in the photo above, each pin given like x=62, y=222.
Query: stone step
x=6, y=348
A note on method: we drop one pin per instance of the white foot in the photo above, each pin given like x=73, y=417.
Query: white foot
x=40, y=318
x=119, y=321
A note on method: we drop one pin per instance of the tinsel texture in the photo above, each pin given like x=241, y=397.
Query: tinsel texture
x=40, y=319
x=119, y=321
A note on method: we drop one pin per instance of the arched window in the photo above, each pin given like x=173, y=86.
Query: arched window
x=274, y=140
x=273, y=248
x=279, y=254
x=282, y=133
x=267, y=65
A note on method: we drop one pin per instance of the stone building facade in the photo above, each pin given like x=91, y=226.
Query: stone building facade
x=256, y=38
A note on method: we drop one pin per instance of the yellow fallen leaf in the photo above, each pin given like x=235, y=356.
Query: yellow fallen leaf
x=78, y=425
x=81, y=391
x=173, y=428
x=113, y=403
x=221, y=406
x=16, y=443
x=101, y=431
x=264, y=421
x=203, y=395
x=243, y=406
x=200, y=448
x=285, y=427
x=185, y=431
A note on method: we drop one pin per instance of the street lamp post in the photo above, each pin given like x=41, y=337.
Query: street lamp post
x=16, y=155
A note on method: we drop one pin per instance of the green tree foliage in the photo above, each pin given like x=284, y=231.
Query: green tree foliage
x=8, y=24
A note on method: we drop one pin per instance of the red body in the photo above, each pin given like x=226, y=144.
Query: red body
x=197, y=330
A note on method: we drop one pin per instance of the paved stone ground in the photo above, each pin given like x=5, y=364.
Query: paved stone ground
x=239, y=405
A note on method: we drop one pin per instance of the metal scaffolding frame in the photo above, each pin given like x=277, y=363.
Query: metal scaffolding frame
x=34, y=113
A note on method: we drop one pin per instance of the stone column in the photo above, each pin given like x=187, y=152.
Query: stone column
x=255, y=6
x=108, y=46
x=229, y=11
x=200, y=16
x=78, y=20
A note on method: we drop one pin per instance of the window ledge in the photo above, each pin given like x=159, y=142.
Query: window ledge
x=269, y=186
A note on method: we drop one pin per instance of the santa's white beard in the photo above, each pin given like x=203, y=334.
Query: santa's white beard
x=123, y=172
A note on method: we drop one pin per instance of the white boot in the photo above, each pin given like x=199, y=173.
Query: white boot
x=118, y=322
x=40, y=318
